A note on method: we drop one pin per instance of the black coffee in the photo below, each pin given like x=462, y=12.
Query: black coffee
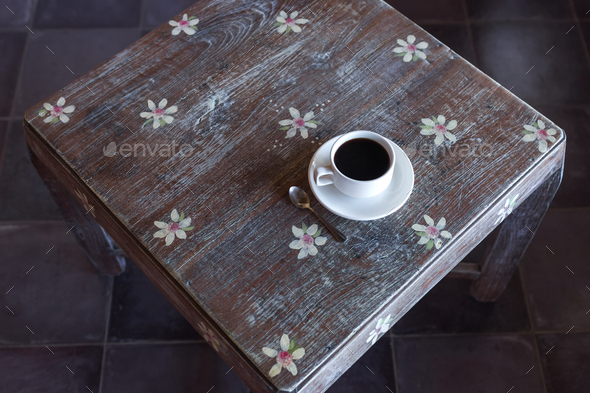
x=362, y=159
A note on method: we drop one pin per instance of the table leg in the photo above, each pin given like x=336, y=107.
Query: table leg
x=511, y=239
x=97, y=245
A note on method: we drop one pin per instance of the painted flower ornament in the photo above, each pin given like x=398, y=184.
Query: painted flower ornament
x=186, y=24
x=436, y=126
x=409, y=50
x=383, y=325
x=306, y=237
x=429, y=234
x=507, y=209
x=289, y=351
x=57, y=112
x=286, y=23
x=538, y=132
x=158, y=115
x=178, y=227
x=87, y=206
x=298, y=123
x=209, y=336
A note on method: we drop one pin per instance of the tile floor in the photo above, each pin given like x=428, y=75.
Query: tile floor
x=65, y=329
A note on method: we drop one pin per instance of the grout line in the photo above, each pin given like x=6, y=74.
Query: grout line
x=110, y=344
x=473, y=21
x=468, y=23
x=520, y=20
x=142, y=9
x=532, y=325
x=489, y=333
x=395, y=374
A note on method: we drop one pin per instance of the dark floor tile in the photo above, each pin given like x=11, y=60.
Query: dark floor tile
x=87, y=14
x=16, y=13
x=558, y=297
x=23, y=195
x=12, y=47
x=49, y=286
x=467, y=364
x=507, y=51
x=518, y=9
x=449, y=308
x=167, y=368
x=574, y=190
x=455, y=37
x=566, y=361
x=373, y=372
x=141, y=312
x=38, y=370
x=157, y=12
x=80, y=50
x=582, y=8
x=430, y=10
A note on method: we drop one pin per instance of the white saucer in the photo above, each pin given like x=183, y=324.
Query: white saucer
x=364, y=209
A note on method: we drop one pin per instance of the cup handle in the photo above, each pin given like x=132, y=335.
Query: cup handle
x=324, y=176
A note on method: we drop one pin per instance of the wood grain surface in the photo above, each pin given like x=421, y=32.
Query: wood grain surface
x=232, y=82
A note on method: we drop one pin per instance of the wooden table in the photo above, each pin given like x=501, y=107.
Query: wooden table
x=185, y=124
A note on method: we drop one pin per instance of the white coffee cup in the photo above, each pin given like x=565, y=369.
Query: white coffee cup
x=356, y=188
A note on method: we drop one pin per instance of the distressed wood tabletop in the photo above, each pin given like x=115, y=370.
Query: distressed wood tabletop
x=188, y=141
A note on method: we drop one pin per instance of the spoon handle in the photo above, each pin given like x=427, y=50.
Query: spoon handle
x=335, y=232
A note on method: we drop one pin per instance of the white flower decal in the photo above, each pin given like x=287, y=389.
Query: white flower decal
x=507, y=209
x=410, y=51
x=159, y=116
x=306, y=238
x=382, y=326
x=289, y=352
x=298, y=123
x=436, y=126
x=186, y=24
x=537, y=132
x=209, y=336
x=429, y=235
x=286, y=23
x=87, y=206
x=57, y=112
x=178, y=227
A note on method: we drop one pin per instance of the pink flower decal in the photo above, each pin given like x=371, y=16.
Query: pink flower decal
x=409, y=50
x=159, y=116
x=436, y=126
x=289, y=351
x=87, y=206
x=306, y=237
x=298, y=123
x=286, y=23
x=209, y=336
x=57, y=112
x=178, y=227
x=538, y=132
x=429, y=234
x=186, y=24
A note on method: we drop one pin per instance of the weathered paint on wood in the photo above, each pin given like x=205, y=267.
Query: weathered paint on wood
x=98, y=246
x=232, y=82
